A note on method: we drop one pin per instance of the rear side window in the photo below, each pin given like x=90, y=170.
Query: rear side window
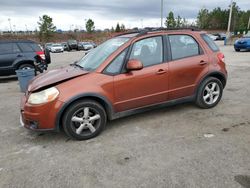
x=210, y=43
x=183, y=46
x=9, y=48
x=30, y=47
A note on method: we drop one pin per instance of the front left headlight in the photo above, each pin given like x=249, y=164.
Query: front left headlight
x=44, y=96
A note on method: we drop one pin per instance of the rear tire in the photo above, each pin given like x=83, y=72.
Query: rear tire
x=84, y=120
x=209, y=93
x=26, y=67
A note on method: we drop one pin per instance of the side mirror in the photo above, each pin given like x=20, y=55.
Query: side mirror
x=134, y=64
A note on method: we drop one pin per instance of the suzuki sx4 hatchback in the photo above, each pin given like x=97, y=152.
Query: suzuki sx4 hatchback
x=125, y=75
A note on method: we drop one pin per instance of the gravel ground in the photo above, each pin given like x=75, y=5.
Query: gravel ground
x=161, y=148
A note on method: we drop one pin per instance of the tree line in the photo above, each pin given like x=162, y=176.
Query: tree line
x=218, y=18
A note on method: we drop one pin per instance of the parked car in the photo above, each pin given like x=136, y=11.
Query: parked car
x=213, y=37
x=20, y=54
x=85, y=46
x=65, y=46
x=220, y=36
x=243, y=43
x=57, y=48
x=72, y=44
x=93, y=44
x=126, y=75
x=48, y=46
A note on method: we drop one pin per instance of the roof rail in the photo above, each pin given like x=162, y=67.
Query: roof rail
x=146, y=30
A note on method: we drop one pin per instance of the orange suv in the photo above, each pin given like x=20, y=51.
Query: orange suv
x=126, y=75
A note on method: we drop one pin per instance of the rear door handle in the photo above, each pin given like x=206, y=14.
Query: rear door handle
x=161, y=71
x=19, y=55
x=202, y=62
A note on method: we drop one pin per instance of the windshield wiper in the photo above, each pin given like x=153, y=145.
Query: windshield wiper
x=77, y=65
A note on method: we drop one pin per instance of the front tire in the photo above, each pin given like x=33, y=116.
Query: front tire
x=209, y=93
x=84, y=120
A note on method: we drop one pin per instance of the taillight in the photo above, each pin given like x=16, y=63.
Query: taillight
x=221, y=57
x=41, y=54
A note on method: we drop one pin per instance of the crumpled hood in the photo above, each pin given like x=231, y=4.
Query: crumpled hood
x=55, y=76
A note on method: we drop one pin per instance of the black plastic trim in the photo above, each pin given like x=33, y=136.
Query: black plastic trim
x=208, y=75
x=153, y=107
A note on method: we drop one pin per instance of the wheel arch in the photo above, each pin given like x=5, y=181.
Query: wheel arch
x=216, y=74
x=219, y=76
x=19, y=63
x=96, y=97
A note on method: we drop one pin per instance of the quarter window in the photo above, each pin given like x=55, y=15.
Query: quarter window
x=183, y=46
x=26, y=47
x=148, y=51
x=210, y=43
x=116, y=65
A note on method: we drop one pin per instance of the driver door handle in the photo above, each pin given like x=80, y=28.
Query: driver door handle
x=161, y=71
x=202, y=62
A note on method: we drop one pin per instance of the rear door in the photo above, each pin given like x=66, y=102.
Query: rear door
x=189, y=63
x=9, y=52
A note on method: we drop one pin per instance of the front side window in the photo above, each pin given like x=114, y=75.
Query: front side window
x=98, y=55
x=183, y=46
x=149, y=51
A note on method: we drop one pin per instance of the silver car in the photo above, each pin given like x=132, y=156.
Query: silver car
x=56, y=48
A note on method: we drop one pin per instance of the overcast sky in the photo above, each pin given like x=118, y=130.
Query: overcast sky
x=72, y=14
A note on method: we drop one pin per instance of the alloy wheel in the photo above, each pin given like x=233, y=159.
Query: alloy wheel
x=85, y=121
x=211, y=93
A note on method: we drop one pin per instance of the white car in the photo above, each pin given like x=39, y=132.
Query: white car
x=213, y=36
x=85, y=46
x=56, y=48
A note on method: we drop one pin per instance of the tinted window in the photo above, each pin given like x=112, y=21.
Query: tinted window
x=116, y=65
x=183, y=46
x=29, y=47
x=8, y=48
x=36, y=47
x=210, y=43
x=148, y=51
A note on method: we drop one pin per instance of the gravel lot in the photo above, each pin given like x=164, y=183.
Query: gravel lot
x=161, y=148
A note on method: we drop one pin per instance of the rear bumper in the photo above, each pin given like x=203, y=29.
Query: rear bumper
x=39, y=117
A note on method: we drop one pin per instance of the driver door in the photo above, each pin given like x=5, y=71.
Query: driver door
x=135, y=89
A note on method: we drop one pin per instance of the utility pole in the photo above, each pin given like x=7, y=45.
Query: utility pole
x=248, y=26
x=161, y=13
x=10, y=25
x=229, y=20
x=14, y=26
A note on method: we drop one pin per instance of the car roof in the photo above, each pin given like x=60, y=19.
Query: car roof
x=17, y=41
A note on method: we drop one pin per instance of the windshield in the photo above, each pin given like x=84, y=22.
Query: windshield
x=247, y=35
x=56, y=45
x=98, y=55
